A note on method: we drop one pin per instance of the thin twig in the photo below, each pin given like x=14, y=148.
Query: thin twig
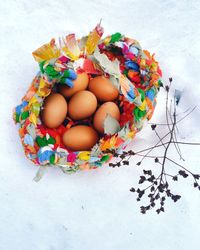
x=165, y=153
x=165, y=124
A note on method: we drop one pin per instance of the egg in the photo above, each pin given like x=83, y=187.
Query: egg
x=54, y=110
x=80, y=138
x=80, y=83
x=107, y=108
x=103, y=89
x=82, y=105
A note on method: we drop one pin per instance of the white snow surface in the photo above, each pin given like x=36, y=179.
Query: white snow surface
x=94, y=209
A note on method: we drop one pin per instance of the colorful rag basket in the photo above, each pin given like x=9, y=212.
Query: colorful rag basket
x=133, y=70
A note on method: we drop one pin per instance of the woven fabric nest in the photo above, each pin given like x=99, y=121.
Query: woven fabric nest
x=132, y=70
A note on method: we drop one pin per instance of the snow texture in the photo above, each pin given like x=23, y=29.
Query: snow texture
x=95, y=210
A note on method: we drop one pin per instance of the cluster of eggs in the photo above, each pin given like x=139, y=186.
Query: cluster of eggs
x=87, y=98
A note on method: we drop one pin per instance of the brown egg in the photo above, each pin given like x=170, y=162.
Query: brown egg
x=103, y=89
x=80, y=138
x=80, y=83
x=107, y=108
x=82, y=105
x=54, y=110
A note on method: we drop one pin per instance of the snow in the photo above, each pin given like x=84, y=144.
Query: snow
x=95, y=210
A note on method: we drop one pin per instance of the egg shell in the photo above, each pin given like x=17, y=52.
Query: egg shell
x=103, y=89
x=80, y=138
x=82, y=105
x=80, y=83
x=107, y=108
x=54, y=110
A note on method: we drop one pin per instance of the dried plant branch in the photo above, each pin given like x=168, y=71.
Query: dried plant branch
x=158, y=189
